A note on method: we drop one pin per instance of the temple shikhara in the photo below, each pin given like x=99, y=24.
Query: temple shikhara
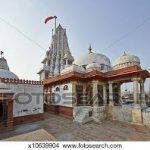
x=86, y=88
x=57, y=55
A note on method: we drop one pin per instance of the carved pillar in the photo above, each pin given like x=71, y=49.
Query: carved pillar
x=104, y=94
x=119, y=92
x=95, y=93
x=142, y=91
x=136, y=111
x=74, y=94
x=84, y=95
x=111, y=94
x=49, y=95
x=135, y=90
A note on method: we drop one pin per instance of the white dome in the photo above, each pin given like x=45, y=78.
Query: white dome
x=126, y=60
x=72, y=68
x=4, y=70
x=93, y=66
x=7, y=74
x=91, y=57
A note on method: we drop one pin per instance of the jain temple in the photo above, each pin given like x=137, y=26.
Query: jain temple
x=87, y=88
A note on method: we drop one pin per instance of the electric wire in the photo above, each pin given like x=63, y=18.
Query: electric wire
x=22, y=33
x=128, y=33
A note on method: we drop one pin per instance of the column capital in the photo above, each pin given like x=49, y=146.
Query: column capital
x=74, y=82
x=104, y=85
x=119, y=83
x=95, y=81
x=110, y=82
x=136, y=79
x=142, y=81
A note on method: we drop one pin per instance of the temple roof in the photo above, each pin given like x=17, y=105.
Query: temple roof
x=90, y=57
x=128, y=59
x=4, y=70
x=121, y=74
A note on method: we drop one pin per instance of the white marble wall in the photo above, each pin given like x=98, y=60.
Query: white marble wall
x=24, y=107
x=42, y=76
x=61, y=97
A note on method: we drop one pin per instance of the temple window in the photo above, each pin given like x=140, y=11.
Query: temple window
x=84, y=66
x=57, y=89
x=65, y=87
x=102, y=66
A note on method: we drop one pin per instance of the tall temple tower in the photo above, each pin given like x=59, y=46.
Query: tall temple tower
x=57, y=55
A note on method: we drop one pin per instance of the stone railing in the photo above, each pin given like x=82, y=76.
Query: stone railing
x=20, y=81
x=99, y=113
x=81, y=114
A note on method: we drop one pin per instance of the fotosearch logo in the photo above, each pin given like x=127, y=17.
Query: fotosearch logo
x=26, y=98
x=70, y=98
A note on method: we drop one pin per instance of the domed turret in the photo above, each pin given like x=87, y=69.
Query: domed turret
x=73, y=68
x=4, y=70
x=93, y=66
x=90, y=59
x=126, y=60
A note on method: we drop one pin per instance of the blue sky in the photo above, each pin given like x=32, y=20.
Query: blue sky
x=95, y=22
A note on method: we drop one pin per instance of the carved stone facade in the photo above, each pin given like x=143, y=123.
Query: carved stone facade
x=89, y=87
x=97, y=96
x=58, y=55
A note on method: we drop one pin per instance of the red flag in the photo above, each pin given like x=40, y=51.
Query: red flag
x=49, y=18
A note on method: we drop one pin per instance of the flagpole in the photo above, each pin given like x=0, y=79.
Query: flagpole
x=55, y=22
x=52, y=32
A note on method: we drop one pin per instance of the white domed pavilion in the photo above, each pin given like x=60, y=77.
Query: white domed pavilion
x=92, y=74
x=126, y=60
x=91, y=60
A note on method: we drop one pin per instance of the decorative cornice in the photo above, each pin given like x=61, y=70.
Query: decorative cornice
x=20, y=81
x=133, y=71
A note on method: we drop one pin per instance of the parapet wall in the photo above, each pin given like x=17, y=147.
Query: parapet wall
x=130, y=114
x=20, y=81
x=28, y=96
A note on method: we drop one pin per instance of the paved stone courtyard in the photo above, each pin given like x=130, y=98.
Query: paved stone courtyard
x=64, y=129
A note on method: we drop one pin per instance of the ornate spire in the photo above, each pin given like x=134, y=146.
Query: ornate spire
x=2, y=54
x=124, y=53
x=90, y=49
x=3, y=62
x=59, y=49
